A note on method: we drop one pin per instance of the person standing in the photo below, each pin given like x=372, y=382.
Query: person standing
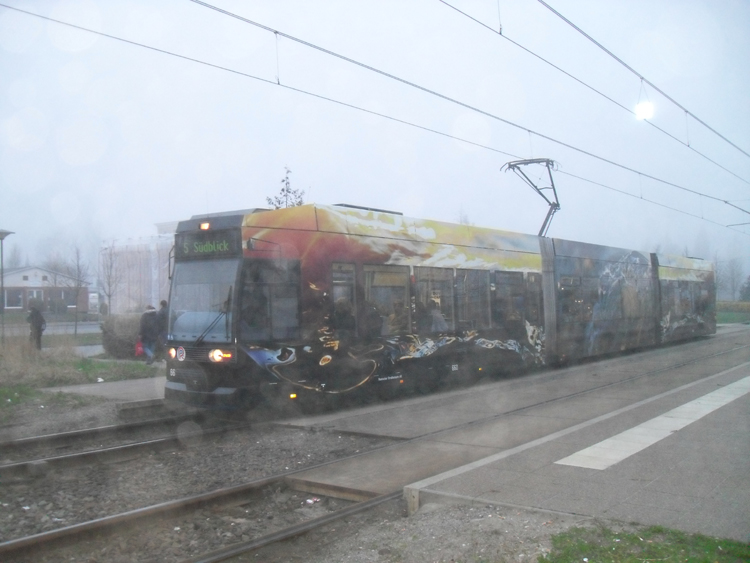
x=37, y=326
x=149, y=333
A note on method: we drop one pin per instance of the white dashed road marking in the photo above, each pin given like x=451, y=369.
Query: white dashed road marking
x=615, y=449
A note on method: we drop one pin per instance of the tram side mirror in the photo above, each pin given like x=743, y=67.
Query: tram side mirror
x=250, y=244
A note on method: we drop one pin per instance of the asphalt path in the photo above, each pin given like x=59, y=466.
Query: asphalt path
x=87, y=327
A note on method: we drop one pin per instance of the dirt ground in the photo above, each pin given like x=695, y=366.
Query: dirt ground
x=436, y=533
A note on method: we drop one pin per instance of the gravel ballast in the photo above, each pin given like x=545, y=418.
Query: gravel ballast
x=384, y=534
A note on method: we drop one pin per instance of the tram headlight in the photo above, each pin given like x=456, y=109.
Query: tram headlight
x=172, y=353
x=219, y=355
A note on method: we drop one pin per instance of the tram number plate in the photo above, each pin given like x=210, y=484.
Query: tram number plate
x=172, y=372
x=454, y=367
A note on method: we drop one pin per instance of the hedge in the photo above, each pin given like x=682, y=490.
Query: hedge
x=733, y=306
x=119, y=335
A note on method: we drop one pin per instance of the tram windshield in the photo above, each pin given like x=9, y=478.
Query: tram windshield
x=201, y=302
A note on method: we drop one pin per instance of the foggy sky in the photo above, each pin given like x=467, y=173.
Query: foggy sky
x=101, y=139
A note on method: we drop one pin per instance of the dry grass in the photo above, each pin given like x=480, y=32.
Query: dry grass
x=733, y=306
x=22, y=365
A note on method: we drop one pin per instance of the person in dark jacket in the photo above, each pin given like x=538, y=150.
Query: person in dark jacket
x=149, y=333
x=37, y=326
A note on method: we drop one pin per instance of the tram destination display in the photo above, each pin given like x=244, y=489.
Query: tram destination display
x=208, y=244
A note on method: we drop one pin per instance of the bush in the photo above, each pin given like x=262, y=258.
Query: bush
x=38, y=304
x=58, y=306
x=733, y=306
x=119, y=335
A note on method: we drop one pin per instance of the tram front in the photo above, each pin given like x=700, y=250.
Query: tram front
x=202, y=365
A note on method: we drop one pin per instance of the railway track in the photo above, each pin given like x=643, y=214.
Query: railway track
x=249, y=493
x=36, y=547
x=38, y=466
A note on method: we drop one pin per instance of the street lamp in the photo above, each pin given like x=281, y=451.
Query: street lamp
x=3, y=234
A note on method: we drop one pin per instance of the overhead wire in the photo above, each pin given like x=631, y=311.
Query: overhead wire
x=639, y=75
x=598, y=92
x=455, y=101
x=341, y=103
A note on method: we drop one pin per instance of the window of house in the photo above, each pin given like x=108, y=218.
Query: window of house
x=14, y=298
x=26, y=278
x=44, y=278
x=35, y=294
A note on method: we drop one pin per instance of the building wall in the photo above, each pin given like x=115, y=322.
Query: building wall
x=142, y=274
x=24, y=284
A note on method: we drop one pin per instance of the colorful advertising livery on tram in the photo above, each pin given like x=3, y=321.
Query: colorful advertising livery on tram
x=311, y=301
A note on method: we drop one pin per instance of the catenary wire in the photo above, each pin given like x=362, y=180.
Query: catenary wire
x=639, y=75
x=598, y=92
x=459, y=103
x=345, y=104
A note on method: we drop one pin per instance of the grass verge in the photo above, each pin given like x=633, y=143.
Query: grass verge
x=655, y=543
x=725, y=317
x=23, y=370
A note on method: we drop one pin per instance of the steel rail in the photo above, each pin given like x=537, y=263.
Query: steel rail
x=63, y=439
x=108, y=523
x=36, y=466
x=295, y=530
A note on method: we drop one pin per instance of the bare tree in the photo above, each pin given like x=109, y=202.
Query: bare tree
x=745, y=290
x=734, y=276
x=728, y=276
x=57, y=264
x=77, y=274
x=287, y=197
x=110, y=274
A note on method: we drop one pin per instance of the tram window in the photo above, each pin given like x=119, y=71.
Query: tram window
x=269, y=300
x=473, y=292
x=645, y=297
x=435, y=298
x=509, y=302
x=387, y=297
x=686, y=297
x=534, y=299
x=589, y=298
x=668, y=296
x=570, y=299
x=631, y=303
x=344, y=310
x=702, y=300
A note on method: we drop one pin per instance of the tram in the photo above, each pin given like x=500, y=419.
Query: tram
x=310, y=301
